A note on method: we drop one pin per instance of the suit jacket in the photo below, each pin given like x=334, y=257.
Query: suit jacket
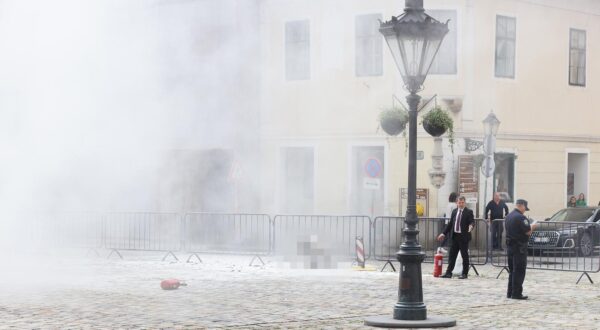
x=467, y=219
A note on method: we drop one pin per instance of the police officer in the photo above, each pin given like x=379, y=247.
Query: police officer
x=518, y=230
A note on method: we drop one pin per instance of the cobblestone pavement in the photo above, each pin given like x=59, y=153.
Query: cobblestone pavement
x=224, y=292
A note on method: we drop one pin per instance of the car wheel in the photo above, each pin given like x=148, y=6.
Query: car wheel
x=586, y=245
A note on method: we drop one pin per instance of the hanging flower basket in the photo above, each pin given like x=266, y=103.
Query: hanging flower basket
x=393, y=120
x=433, y=130
x=436, y=122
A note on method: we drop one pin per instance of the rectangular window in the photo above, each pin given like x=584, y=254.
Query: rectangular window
x=504, y=176
x=297, y=50
x=445, y=60
x=369, y=45
x=506, y=35
x=577, y=57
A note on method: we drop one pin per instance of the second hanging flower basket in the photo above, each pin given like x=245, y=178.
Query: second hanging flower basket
x=437, y=121
x=393, y=120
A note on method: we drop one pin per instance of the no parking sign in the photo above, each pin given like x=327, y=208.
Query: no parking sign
x=373, y=167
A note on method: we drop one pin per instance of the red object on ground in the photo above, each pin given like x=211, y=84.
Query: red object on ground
x=438, y=261
x=171, y=284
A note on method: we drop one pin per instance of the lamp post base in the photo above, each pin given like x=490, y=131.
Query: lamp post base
x=429, y=322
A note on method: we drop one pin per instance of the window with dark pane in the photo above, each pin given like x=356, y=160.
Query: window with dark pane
x=506, y=34
x=297, y=50
x=504, y=176
x=369, y=45
x=577, y=46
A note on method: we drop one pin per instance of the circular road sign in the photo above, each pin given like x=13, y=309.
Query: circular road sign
x=373, y=167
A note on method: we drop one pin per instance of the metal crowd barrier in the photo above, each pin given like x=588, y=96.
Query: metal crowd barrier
x=388, y=235
x=561, y=246
x=330, y=235
x=143, y=231
x=228, y=233
x=63, y=230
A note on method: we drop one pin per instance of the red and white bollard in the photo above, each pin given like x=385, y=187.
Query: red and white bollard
x=360, y=252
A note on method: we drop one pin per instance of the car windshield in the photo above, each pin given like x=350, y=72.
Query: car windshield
x=572, y=215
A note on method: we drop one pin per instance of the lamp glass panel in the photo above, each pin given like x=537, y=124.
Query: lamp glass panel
x=429, y=52
x=392, y=42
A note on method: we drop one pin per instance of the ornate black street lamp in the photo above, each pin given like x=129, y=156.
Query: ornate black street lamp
x=414, y=39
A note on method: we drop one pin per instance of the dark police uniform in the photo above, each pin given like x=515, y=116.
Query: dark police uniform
x=517, y=226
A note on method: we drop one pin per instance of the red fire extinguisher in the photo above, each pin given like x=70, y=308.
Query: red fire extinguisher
x=438, y=262
x=171, y=284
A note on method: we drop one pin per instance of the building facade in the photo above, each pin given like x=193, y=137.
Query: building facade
x=327, y=74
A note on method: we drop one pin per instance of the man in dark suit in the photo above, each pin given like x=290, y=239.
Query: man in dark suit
x=459, y=228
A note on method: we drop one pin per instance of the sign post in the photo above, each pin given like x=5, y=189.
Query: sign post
x=372, y=181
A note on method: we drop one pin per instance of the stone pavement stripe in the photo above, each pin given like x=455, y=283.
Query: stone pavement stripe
x=100, y=294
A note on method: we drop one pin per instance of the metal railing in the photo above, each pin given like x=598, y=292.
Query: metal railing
x=227, y=233
x=561, y=246
x=62, y=230
x=143, y=231
x=334, y=234
x=387, y=234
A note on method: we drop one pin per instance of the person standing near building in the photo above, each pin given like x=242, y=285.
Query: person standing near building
x=496, y=209
x=572, y=202
x=518, y=230
x=581, y=201
x=459, y=228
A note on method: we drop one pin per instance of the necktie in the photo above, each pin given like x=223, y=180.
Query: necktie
x=457, y=222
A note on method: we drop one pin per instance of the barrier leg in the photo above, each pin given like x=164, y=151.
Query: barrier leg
x=194, y=255
x=389, y=262
x=588, y=276
x=90, y=250
x=256, y=257
x=474, y=269
x=114, y=251
x=170, y=253
x=501, y=270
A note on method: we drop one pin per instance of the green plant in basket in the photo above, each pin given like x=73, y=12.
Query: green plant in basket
x=437, y=122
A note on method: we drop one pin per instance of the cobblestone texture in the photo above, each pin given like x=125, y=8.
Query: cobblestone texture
x=224, y=292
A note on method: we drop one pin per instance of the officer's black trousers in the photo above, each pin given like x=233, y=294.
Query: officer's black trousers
x=462, y=245
x=517, y=264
